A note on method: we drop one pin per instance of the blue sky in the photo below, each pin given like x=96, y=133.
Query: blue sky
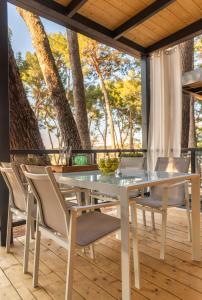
x=21, y=40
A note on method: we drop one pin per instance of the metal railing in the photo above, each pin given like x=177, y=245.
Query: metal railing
x=194, y=153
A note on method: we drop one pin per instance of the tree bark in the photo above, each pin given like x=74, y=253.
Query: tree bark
x=192, y=126
x=78, y=89
x=187, y=58
x=131, y=130
x=24, y=130
x=54, y=84
x=108, y=108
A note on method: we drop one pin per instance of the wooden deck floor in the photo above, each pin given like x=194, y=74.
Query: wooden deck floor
x=175, y=278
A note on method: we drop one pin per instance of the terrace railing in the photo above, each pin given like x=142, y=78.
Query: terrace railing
x=194, y=153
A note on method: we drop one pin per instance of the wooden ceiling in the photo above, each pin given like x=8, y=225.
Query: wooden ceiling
x=138, y=27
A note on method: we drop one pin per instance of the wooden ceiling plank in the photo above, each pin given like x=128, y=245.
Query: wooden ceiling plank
x=191, y=8
x=179, y=36
x=143, y=15
x=129, y=7
x=97, y=12
x=198, y=3
x=74, y=6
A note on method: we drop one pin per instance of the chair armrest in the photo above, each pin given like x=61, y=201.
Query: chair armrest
x=94, y=206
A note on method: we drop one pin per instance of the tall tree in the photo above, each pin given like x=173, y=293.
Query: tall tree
x=78, y=89
x=95, y=56
x=187, y=58
x=24, y=131
x=53, y=81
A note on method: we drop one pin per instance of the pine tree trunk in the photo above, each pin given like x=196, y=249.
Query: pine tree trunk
x=51, y=76
x=108, y=109
x=192, y=126
x=187, y=58
x=131, y=131
x=78, y=89
x=24, y=130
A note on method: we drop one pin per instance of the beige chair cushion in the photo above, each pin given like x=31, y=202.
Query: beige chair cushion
x=93, y=226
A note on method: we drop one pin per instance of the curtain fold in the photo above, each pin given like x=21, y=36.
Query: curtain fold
x=166, y=105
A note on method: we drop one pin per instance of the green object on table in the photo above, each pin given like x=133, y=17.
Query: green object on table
x=108, y=166
x=80, y=160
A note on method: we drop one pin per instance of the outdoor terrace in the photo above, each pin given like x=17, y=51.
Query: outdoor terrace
x=138, y=31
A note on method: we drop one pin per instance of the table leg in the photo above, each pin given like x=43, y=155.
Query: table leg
x=195, y=180
x=118, y=215
x=125, y=245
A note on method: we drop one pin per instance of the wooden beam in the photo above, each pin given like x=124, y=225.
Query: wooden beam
x=4, y=116
x=186, y=33
x=74, y=6
x=141, y=17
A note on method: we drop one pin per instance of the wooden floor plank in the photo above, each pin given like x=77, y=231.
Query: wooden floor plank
x=7, y=290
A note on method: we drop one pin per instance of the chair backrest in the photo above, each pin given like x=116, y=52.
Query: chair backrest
x=36, y=169
x=171, y=164
x=51, y=204
x=15, y=185
x=132, y=162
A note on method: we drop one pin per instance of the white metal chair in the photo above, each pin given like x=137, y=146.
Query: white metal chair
x=72, y=194
x=63, y=222
x=19, y=205
x=163, y=197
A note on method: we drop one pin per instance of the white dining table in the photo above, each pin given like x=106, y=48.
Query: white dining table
x=120, y=185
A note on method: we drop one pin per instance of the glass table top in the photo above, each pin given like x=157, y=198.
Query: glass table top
x=125, y=177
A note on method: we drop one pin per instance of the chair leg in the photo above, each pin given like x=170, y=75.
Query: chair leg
x=36, y=256
x=153, y=220
x=92, y=252
x=118, y=215
x=163, y=235
x=144, y=218
x=134, y=232
x=32, y=228
x=27, y=239
x=88, y=202
x=71, y=254
x=9, y=229
x=189, y=220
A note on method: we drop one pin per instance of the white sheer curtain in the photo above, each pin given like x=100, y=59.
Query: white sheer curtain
x=166, y=105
